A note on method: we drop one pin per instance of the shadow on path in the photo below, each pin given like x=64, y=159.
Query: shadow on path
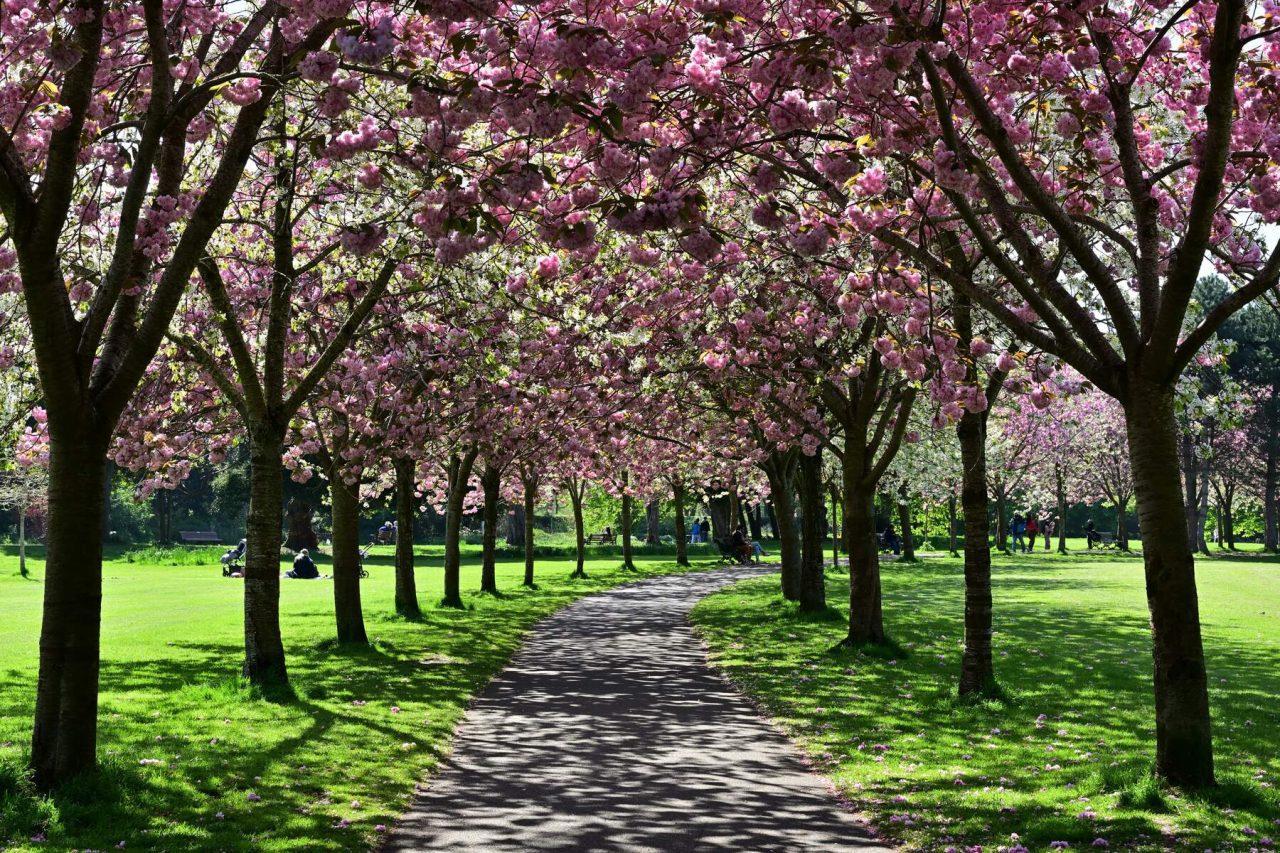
x=608, y=732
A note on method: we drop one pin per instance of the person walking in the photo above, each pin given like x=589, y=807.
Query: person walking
x=1033, y=530
x=1018, y=527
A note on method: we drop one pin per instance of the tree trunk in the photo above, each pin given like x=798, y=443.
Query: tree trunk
x=1271, y=517
x=579, y=533
x=652, y=519
x=491, y=483
x=1002, y=518
x=753, y=522
x=264, y=661
x=977, y=670
x=835, y=525
x=301, y=532
x=1191, y=499
x=22, y=541
x=904, y=525
x=1202, y=508
x=528, y=514
x=64, y=740
x=516, y=525
x=778, y=468
x=951, y=525
x=345, y=498
x=772, y=513
x=812, y=581
x=1184, y=743
x=866, y=620
x=406, y=580
x=1227, y=514
x=718, y=508
x=1122, y=537
x=682, y=545
x=1062, y=509
x=459, y=474
x=627, y=561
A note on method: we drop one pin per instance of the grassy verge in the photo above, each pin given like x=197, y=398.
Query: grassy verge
x=193, y=759
x=1066, y=755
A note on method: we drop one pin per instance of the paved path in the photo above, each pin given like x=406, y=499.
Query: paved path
x=608, y=732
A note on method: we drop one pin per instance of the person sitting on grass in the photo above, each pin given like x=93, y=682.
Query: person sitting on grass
x=304, y=568
x=739, y=546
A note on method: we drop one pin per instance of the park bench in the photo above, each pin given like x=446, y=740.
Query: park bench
x=1106, y=540
x=599, y=539
x=199, y=537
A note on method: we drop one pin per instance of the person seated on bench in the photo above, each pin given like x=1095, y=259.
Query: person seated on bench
x=231, y=567
x=608, y=535
x=891, y=540
x=304, y=568
x=387, y=532
x=739, y=546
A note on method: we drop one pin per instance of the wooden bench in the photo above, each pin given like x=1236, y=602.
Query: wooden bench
x=599, y=539
x=199, y=537
x=1106, y=540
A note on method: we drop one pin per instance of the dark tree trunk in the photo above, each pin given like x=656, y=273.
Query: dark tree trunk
x=977, y=670
x=835, y=525
x=491, y=482
x=459, y=474
x=1122, y=529
x=527, y=516
x=515, y=526
x=1190, y=483
x=579, y=532
x=951, y=525
x=1202, y=508
x=904, y=525
x=812, y=586
x=1002, y=518
x=741, y=513
x=627, y=562
x=651, y=521
x=772, y=513
x=682, y=545
x=406, y=580
x=1227, y=514
x=718, y=507
x=1271, y=517
x=264, y=661
x=780, y=469
x=1062, y=509
x=866, y=620
x=346, y=560
x=301, y=532
x=1184, y=742
x=753, y=521
x=64, y=741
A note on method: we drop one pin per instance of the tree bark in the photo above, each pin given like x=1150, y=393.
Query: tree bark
x=866, y=620
x=1062, y=509
x=406, y=580
x=718, y=508
x=904, y=525
x=835, y=525
x=1271, y=516
x=753, y=522
x=1184, y=743
x=1228, y=519
x=627, y=562
x=780, y=467
x=579, y=533
x=459, y=473
x=1002, y=518
x=772, y=513
x=951, y=525
x=491, y=483
x=528, y=516
x=347, y=608
x=651, y=521
x=64, y=740
x=1190, y=483
x=682, y=544
x=22, y=541
x=1122, y=540
x=1202, y=508
x=977, y=668
x=516, y=525
x=301, y=532
x=812, y=592
x=264, y=660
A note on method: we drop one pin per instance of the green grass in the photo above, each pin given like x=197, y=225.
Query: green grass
x=193, y=759
x=1067, y=755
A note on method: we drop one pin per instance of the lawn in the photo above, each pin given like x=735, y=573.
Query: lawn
x=192, y=759
x=1066, y=756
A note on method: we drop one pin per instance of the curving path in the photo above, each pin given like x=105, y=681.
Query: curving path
x=608, y=732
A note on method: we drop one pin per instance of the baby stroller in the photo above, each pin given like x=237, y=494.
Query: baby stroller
x=364, y=552
x=233, y=561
